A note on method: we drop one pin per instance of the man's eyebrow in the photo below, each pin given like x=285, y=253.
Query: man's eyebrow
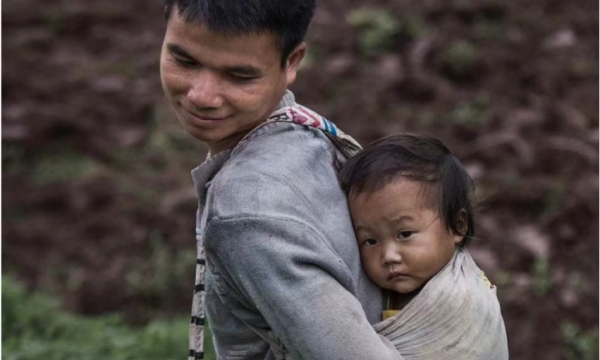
x=238, y=70
x=174, y=48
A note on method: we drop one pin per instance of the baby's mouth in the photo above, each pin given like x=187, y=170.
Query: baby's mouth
x=395, y=273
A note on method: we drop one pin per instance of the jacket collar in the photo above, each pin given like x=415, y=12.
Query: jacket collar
x=213, y=163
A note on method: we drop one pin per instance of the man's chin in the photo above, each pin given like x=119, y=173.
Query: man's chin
x=218, y=144
x=205, y=135
x=220, y=138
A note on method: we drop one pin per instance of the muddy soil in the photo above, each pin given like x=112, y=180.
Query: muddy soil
x=97, y=198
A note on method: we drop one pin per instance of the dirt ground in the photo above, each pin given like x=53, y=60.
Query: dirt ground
x=97, y=197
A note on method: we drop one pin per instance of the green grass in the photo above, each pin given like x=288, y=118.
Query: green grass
x=13, y=156
x=53, y=165
x=159, y=275
x=578, y=344
x=472, y=113
x=35, y=327
x=61, y=167
x=542, y=279
x=376, y=29
x=459, y=58
x=414, y=27
x=488, y=31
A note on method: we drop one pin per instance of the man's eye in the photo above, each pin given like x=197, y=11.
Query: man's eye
x=369, y=242
x=239, y=78
x=185, y=62
x=404, y=234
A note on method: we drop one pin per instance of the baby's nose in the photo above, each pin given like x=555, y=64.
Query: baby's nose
x=391, y=255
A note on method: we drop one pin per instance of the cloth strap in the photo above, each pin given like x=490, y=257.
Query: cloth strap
x=301, y=115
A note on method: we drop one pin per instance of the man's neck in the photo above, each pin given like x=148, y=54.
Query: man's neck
x=226, y=144
x=287, y=99
x=230, y=142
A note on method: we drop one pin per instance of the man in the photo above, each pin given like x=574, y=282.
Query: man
x=278, y=270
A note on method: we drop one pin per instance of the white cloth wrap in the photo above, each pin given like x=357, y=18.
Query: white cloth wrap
x=455, y=316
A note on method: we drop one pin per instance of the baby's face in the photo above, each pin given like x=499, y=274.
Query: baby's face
x=403, y=242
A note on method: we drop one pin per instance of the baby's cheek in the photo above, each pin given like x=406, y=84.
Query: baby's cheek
x=425, y=271
x=374, y=273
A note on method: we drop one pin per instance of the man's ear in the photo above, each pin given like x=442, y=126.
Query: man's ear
x=293, y=62
x=461, y=225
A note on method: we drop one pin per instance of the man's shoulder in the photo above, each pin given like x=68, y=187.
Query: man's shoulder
x=287, y=164
x=284, y=139
x=282, y=150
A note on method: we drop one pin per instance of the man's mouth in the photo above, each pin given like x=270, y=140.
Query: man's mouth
x=205, y=117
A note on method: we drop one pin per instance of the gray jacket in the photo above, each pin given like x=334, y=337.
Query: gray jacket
x=283, y=278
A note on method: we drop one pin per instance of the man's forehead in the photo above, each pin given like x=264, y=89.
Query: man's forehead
x=248, y=54
x=179, y=29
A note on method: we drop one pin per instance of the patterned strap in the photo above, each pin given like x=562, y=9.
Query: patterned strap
x=197, y=324
x=301, y=115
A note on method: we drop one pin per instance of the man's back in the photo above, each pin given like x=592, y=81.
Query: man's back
x=281, y=253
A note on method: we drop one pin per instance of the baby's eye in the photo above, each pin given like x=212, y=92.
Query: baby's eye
x=404, y=234
x=369, y=242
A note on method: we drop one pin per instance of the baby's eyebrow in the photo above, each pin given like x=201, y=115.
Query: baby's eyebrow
x=360, y=228
x=403, y=218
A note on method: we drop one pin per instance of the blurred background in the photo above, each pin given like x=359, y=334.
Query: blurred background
x=98, y=203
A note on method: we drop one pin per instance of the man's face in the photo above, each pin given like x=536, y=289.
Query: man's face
x=402, y=240
x=222, y=86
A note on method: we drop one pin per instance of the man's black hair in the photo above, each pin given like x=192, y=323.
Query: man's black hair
x=288, y=20
x=419, y=158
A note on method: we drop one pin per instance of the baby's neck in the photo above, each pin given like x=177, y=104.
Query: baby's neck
x=398, y=301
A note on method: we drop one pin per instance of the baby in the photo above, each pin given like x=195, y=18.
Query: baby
x=410, y=201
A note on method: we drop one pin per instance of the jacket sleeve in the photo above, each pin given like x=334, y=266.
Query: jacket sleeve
x=282, y=270
x=235, y=338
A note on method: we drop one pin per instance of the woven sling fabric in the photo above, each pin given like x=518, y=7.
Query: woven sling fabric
x=455, y=316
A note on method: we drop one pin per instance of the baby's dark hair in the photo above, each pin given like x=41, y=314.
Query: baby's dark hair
x=419, y=158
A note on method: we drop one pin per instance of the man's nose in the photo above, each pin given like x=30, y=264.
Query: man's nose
x=391, y=254
x=205, y=91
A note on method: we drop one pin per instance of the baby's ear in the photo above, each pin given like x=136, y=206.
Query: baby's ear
x=461, y=225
